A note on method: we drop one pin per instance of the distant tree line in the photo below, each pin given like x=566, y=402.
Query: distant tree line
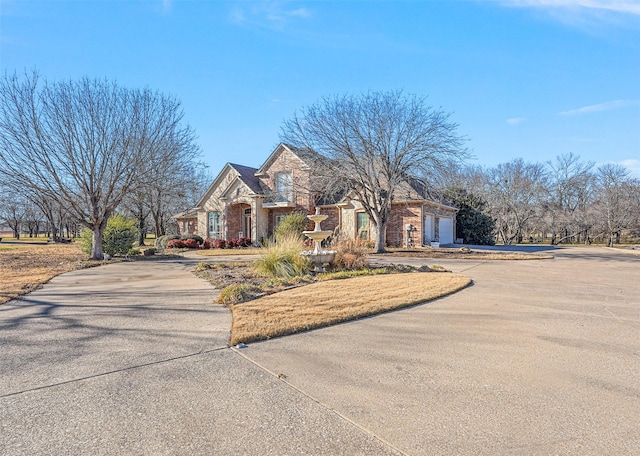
x=567, y=200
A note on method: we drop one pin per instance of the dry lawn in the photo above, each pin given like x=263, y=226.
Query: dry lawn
x=23, y=267
x=326, y=303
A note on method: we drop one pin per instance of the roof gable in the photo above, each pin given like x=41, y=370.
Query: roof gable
x=239, y=172
x=303, y=155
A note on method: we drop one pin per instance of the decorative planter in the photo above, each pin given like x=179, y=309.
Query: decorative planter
x=435, y=245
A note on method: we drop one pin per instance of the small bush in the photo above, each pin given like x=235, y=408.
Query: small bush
x=219, y=244
x=85, y=240
x=190, y=243
x=119, y=235
x=206, y=245
x=132, y=252
x=291, y=225
x=239, y=292
x=117, y=239
x=284, y=259
x=244, y=242
x=150, y=252
x=202, y=266
x=162, y=241
x=195, y=237
x=175, y=244
x=239, y=243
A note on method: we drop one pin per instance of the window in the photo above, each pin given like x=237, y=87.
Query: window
x=362, y=225
x=278, y=219
x=284, y=187
x=215, y=225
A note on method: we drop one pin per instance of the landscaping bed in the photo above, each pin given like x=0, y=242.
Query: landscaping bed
x=240, y=281
x=264, y=307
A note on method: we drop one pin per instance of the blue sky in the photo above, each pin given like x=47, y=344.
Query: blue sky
x=523, y=78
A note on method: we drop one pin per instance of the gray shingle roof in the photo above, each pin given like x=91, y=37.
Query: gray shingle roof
x=247, y=175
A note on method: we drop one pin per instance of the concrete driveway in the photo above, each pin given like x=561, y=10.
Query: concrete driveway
x=537, y=357
x=132, y=359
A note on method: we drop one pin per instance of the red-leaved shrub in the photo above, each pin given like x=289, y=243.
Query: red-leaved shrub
x=244, y=242
x=191, y=243
x=175, y=244
x=219, y=244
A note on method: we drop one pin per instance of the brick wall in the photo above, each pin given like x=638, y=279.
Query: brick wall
x=288, y=162
x=333, y=218
x=235, y=220
x=401, y=215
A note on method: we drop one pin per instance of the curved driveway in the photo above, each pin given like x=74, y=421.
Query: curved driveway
x=537, y=357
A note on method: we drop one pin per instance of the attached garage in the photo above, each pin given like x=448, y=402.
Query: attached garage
x=445, y=230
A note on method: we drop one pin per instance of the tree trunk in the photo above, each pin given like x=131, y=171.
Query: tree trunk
x=142, y=232
x=96, y=244
x=381, y=236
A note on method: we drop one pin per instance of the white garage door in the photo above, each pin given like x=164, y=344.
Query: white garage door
x=445, y=226
x=428, y=229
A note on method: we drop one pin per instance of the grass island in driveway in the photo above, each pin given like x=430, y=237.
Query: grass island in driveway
x=335, y=301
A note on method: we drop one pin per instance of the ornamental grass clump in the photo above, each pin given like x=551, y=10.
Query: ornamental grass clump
x=283, y=258
x=290, y=227
x=351, y=255
x=237, y=293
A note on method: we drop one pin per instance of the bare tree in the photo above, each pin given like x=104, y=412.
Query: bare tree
x=515, y=193
x=55, y=215
x=374, y=143
x=179, y=187
x=571, y=189
x=85, y=144
x=617, y=197
x=13, y=210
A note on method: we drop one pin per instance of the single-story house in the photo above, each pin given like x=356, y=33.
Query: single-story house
x=245, y=202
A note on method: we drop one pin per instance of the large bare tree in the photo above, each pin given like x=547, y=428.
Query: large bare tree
x=617, y=197
x=515, y=193
x=374, y=143
x=571, y=189
x=86, y=144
